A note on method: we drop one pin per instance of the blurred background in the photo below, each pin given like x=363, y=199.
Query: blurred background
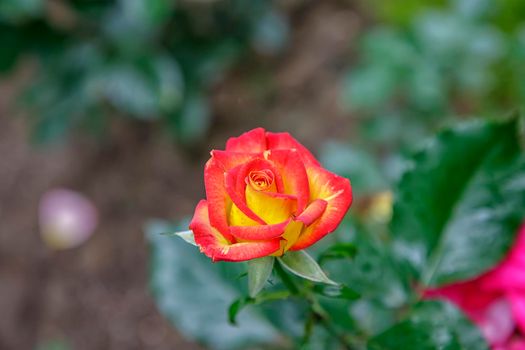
x=108, y=110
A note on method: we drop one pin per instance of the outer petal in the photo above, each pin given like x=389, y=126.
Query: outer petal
x=259, y=232
x=230, y=160
x=283, y=140
x=337, y=192
x=217, y=197
x=253, y=141
x=214, y=245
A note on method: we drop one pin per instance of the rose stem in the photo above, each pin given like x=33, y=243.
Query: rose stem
x=316, y=311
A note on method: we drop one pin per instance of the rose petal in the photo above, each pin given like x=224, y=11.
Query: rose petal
x=260, y=207
x=517, y=302
x=212, y=243
x=510, y=273
x=253, y=141
x=293, y=172
x=467, y=296
x=257, y=164
x=516, y=344
x=218, y=199
x=235, y=188
x=337, y=192
x=497, y=324
x=230, y=160
x=284, y=141
x=504, y=277
x=271, y=207
x=312, y=212
x=259, y=232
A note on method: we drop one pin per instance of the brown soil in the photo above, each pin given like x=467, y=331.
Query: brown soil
x=96, y=296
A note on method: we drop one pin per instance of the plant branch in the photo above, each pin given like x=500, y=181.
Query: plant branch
x=317, y=313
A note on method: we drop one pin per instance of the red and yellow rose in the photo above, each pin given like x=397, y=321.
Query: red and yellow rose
x=266, y=194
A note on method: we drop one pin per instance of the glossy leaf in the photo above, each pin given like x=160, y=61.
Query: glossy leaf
x=303, y=265
x=458, y=206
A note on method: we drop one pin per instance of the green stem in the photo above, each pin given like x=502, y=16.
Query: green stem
x=334, y=333
x=308, y=328
x=318, y=314
x=287, y=281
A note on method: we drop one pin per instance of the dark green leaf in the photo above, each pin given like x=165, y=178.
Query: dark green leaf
x=431, y=326
x=458, y=207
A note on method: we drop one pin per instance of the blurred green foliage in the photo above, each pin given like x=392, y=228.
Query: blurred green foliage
x=429, y=65
x=146, y=59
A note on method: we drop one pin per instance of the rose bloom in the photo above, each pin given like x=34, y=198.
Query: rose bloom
x=495, y=301
x=266, y=194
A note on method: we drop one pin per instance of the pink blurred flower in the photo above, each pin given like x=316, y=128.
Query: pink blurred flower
x=495, y=301
x=66, y=218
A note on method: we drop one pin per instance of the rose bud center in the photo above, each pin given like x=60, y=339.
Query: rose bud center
x=261, y=180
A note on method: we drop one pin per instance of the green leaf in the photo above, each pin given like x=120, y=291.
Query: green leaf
x=194, y=294
x=258, y=272
x=431, y=326
x=338, y=251
x=338, y=292
x=303, y=265
x=185, y=235
x=458, y=207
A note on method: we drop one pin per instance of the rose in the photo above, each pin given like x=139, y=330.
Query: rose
x=266, y=194
x=495, y=301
